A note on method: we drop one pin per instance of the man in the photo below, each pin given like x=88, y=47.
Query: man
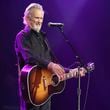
x=32, y=48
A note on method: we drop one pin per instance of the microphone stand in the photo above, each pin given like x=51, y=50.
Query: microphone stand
x=79, y=63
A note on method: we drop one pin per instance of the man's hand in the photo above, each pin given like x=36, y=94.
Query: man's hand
x=57, y=69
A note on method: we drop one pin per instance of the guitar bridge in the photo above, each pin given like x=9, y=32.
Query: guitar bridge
x=44, y=82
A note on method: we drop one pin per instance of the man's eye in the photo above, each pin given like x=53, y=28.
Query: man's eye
x=36, y=17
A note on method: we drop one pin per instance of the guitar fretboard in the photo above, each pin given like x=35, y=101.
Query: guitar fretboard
x=72, y=73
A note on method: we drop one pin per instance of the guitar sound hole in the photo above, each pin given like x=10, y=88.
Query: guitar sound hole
x=55, y=80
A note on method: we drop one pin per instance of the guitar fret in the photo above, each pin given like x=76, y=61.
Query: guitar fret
x=72, y=75
x=68, y=75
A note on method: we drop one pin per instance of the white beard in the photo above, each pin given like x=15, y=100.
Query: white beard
x=37, y=27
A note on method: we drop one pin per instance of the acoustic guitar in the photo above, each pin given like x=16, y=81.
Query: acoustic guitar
x=41, y=84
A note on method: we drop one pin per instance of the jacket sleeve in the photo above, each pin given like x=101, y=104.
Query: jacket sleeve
x=25, y=48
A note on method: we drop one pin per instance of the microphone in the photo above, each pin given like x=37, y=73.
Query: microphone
x=50, y=24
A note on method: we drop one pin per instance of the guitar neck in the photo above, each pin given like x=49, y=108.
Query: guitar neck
x=72, y=73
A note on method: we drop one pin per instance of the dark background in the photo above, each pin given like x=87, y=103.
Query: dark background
x=87, y=25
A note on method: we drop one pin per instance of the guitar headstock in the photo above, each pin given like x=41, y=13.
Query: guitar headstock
x=90, y=66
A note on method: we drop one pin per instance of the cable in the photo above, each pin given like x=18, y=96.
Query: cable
x=87, y=90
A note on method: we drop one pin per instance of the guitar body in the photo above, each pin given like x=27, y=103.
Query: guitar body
x=41, y=84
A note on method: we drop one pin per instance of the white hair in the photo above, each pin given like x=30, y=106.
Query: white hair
x=28, y=11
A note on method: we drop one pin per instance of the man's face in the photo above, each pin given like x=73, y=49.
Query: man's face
x=36, y=19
